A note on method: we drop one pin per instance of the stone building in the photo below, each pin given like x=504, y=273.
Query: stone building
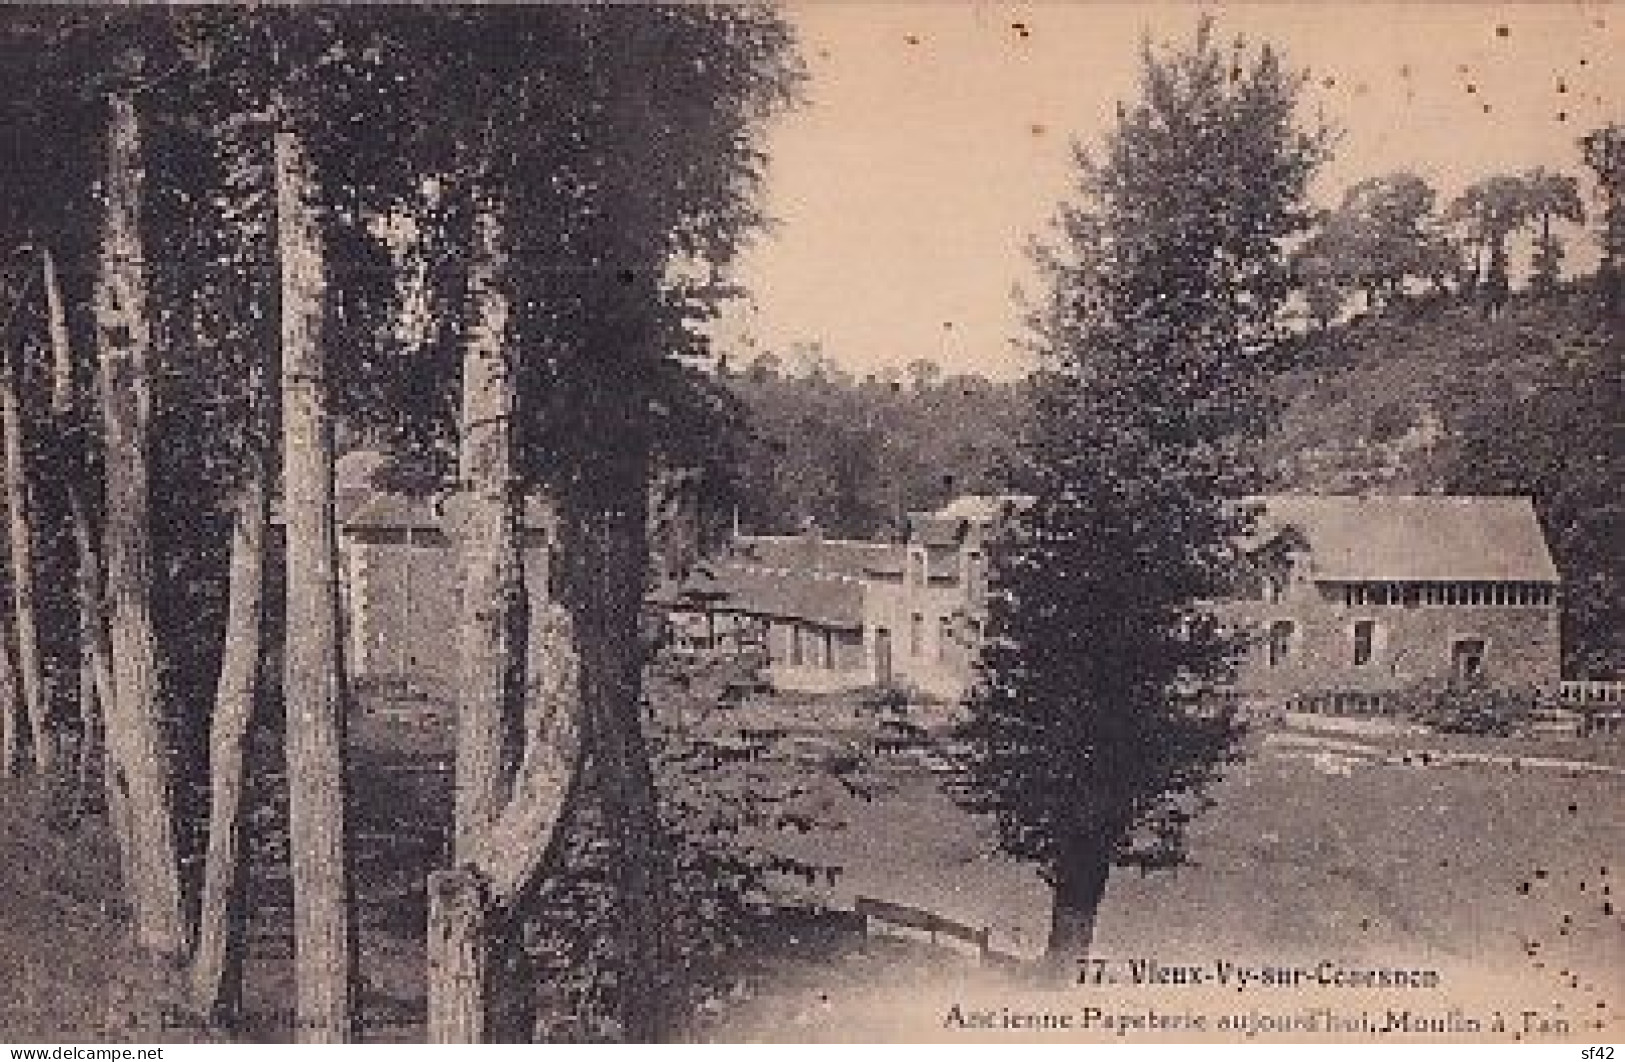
x=1361, y=595
x=830, y=613
x=402, y=585
x=924, y=615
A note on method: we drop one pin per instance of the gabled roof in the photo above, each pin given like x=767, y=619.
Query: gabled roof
x=394, y=512
x=983, y=508
x=357, y=468
x=1413, y=538
x=385, y=510
x=928, y=529
x=829, y=600
x=809, y=553
x=967, y=518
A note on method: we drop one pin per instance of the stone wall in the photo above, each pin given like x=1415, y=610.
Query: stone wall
x=1411, y=643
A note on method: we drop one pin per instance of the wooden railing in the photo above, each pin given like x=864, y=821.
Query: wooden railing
x=1582, y=694
x=900, y=914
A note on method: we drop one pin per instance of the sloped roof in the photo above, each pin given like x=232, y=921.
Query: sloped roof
x=983, y=508
x=829, y=600
x=385, y=510
x=933, y=530
x=395, y=512
x=967, y=517
x=1414, y=538
x=356, y=468
x=808, y=553
x=347, y=501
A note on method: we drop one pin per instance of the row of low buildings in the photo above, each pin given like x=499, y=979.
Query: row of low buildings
x=1352, y=594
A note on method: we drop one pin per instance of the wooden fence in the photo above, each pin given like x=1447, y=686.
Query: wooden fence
x=1582, y=694
x=874, y=911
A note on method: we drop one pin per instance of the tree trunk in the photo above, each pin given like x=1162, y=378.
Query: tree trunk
x=459, y=965
x=614, y=559
x=217, y=962
x=90, y=736
x=95, y=643
x=20, y=539
x=10, y=734
x=1080, y=884
x=56, y=320
x=141, y=762
x=95, y=662
x=493, y=606
x=519, y=683
x=324, y=955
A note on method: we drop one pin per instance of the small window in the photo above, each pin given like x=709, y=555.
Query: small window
x=916, y=567
x=945, y=638
x=1365, y=638
x=1280, y=642
x=916, y=635
x=1467, y=658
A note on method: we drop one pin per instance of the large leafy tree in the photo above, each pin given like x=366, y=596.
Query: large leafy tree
x=1604, y=152
x=1489, y=211
x=1563, y=443
x=1383, y=234
x=607, y=159
x=1550, y=197
x=1088, y=735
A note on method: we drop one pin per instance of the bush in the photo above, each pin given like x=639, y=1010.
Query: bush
x=1467, y=707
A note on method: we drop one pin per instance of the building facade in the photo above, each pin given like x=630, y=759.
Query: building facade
x=402, y=588
x=831, y=614
x=1371, y=594
x=1349, y=596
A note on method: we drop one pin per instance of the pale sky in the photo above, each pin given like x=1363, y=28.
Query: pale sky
x=935, y=142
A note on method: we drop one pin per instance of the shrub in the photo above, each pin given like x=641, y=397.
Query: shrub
x=1467, y=707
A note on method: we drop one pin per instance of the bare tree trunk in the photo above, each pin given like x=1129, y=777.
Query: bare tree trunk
x=1080, y=885
x=493, y=607
x=324, y=952
x=90, y=737
x=614, y=556
x=492, y=643
x=506, y=812
x=141, y=763
x=20, y=538
x=10, y=734
x=217, y=962
x=95, y=643
x=459, y=960
x=95, y=668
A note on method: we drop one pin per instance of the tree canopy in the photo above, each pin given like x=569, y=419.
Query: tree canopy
x=1166, y=283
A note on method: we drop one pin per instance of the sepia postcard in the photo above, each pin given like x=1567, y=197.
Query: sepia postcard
x=929, y=521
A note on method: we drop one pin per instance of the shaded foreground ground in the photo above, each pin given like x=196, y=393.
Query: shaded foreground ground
x=1505, y=881
x=1502, y=880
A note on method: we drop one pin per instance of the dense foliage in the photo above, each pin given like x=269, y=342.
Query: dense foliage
x=854, y=456
x=1166, y=282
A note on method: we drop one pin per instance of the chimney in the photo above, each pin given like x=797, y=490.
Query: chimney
x=812, y=539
